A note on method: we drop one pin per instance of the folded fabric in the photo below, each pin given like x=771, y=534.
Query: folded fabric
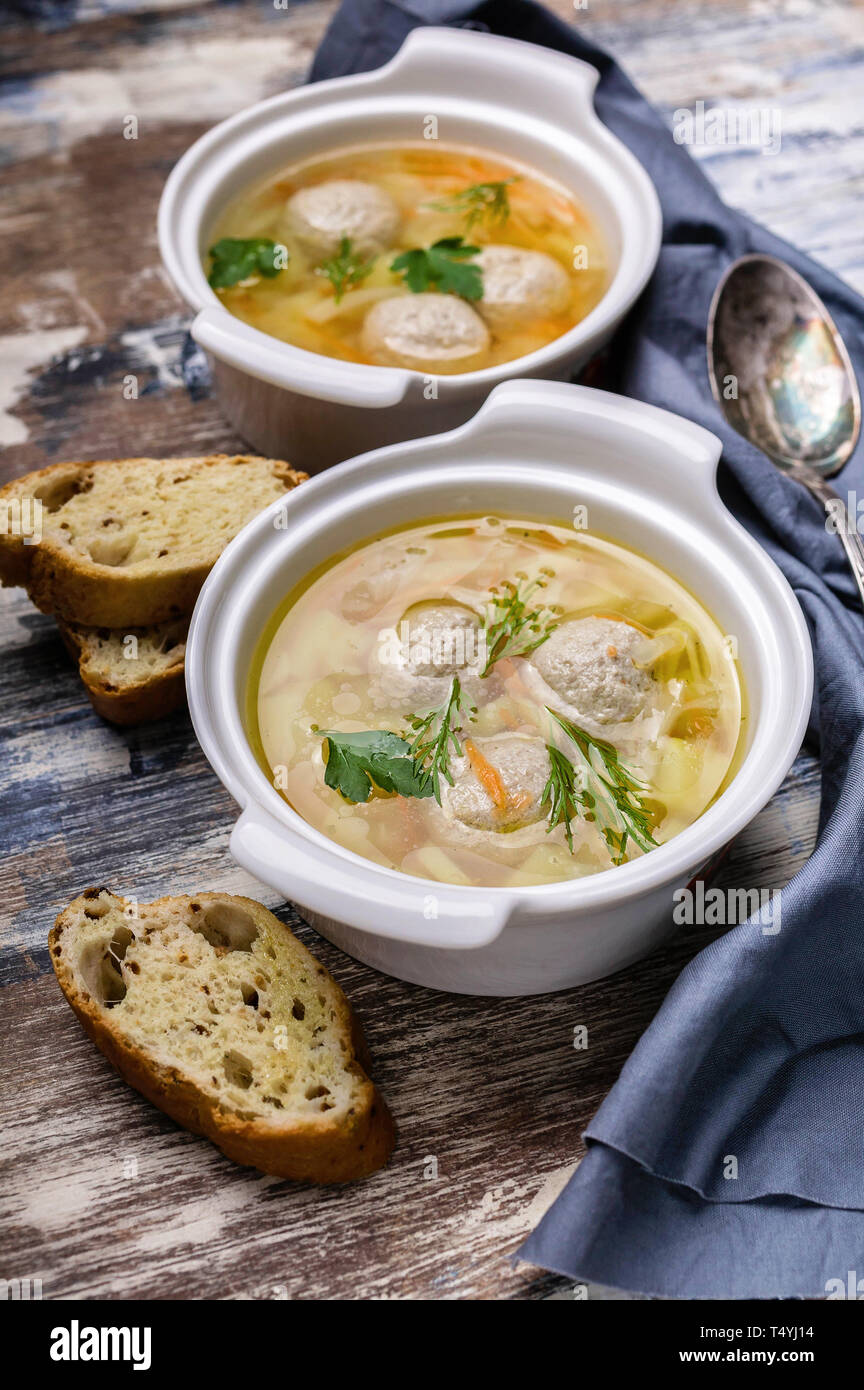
x=757, y=1053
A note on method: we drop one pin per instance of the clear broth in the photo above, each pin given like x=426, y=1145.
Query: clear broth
x=299, y=304
x=316, y=666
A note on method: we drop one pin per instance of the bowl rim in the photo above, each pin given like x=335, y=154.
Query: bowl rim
x=200, y=170
x=741, y=800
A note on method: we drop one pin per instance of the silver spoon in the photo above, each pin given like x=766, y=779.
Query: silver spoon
x=782, y=376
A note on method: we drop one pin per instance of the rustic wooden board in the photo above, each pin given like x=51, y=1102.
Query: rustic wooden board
x=102, y=1196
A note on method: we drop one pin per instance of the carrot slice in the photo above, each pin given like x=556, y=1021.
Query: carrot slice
x=488, y=776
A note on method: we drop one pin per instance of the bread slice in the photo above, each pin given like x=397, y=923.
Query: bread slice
x=211, y=1009
x=131, y=677
x=129, y=542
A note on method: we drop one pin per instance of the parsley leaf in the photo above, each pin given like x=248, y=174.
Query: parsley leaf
x=481, y=200
x=442, y=267
x=239, y=258
x=357, y=763
x=346, y=269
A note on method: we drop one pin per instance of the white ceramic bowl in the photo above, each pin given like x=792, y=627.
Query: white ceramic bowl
x=535, y=448
x=525, y=102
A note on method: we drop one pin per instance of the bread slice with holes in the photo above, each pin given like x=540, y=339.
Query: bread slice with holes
x=214, y=1011
x=129, y=542
x=131, y=677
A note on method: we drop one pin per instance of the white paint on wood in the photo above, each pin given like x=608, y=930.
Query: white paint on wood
x=198, y=77
x=20, y=355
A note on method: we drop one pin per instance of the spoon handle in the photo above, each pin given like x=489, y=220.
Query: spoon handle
x=836, y=509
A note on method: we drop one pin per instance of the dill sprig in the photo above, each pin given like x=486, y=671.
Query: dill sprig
x=482, y=201
x=345, y=269
x=600, y=788
x=512, y=626
x=436, y=736
x=562, y=792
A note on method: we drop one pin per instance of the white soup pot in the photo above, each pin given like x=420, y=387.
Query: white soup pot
x=537, y=449
x=515, y=99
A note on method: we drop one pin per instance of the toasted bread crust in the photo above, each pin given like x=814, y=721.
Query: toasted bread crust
x=71, y=585
x=151, y=698
x=82, y=592
x=312, y=1150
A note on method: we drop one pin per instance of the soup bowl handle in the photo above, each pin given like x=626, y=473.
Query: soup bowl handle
x=419, y=911
x=248, y=350
x=527, y=78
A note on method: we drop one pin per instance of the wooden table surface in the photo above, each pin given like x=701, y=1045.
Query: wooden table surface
x=102, y=1195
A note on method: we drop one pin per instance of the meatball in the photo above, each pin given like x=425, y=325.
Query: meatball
x=436, y=641
x=520, y=767
x=520, y=285
x=590, y=663
x=320, y=216
x=430, y=332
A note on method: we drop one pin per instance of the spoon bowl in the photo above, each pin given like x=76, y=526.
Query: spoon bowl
x=780, y=369
x=782, y=376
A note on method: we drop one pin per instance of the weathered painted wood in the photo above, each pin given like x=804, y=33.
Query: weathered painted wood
x=102, y=1196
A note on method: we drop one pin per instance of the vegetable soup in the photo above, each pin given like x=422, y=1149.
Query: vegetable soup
x=495, y=701
x=416, y=255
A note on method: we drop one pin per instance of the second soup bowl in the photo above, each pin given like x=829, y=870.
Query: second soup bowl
x=647, y=479
x=519, y=101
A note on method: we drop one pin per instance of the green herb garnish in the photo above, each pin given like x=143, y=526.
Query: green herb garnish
x=600, y=788
x=512, y=627
x=346, y=269
x=241, y=258
x=564, y=795
x=358, y=763
x=481, y=200
x=442, y=267
x=436, y=734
